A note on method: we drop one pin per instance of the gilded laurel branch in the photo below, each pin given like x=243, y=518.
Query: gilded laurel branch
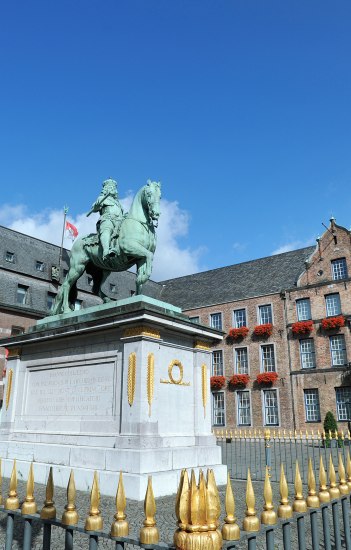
x=9, y=387
x=204, y=386
x=150, y=379
x=131, y=377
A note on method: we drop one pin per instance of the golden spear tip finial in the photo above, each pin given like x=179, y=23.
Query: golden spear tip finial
x=343, y=487
x=268, y=516
x=323, y=494
x=29, y=505
x=149, y=534
x=251, y=521
x=284, y=508
x=312, y=497
x=120, y=527
x=70, y=515
x=12, y=502
x=94, y=521
x=230, y=529
x=333, y=488
x=299, y=504
x=348, y=469
x=49, y=511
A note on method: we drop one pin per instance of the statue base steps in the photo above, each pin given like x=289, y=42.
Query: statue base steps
x=121, y=387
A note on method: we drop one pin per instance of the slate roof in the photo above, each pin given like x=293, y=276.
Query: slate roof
x=237, y=282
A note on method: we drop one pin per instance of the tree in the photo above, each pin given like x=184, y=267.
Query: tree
x=330, y=423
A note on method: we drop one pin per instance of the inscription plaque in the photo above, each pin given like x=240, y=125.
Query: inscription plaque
x=71, y=391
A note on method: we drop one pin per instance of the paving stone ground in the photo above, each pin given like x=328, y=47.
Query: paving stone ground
x=165, y=517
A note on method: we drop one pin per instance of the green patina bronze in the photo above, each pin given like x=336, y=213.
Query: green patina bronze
x=122, y=240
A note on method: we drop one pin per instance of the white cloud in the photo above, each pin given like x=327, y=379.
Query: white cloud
x=171, y=259
x=293, y=245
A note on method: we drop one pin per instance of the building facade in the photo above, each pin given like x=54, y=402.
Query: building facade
x=286, y=354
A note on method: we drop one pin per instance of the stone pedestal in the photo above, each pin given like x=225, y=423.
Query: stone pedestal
x=123, y=386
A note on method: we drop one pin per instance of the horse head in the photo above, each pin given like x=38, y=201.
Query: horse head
x=152, y=196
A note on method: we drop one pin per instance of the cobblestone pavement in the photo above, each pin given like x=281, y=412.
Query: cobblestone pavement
x=165, y=517
x=240, y=454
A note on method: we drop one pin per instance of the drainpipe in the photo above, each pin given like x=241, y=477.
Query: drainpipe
x=290, y=365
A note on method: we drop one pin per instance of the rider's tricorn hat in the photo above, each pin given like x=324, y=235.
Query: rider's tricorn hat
x=109, y=181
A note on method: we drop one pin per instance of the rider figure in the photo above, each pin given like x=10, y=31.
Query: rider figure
x=111, y=216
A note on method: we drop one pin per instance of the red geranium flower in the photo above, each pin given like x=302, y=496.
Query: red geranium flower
x=267, y=377
x=302, y=327
x=239, y=380
x=237, y=333
x=263, y=330
x=217, y=382
x=333, y=322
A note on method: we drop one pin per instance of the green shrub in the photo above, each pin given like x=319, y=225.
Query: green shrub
x=330, y=424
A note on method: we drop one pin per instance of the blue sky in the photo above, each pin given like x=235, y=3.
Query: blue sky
x=240, y=108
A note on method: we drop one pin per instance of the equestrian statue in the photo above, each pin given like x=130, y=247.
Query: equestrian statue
x=122, y=240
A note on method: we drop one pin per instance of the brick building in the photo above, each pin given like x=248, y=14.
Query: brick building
x=302, y=286
x=310, y=284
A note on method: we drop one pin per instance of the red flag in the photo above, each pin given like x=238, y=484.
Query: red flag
x=73, y=231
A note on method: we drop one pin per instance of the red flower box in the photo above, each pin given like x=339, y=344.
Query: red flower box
x=263, y=330
x=239, y=381
x=267, y=377
x=302, y=327
x=217, y=382
x=331, y=323
x=238, y=333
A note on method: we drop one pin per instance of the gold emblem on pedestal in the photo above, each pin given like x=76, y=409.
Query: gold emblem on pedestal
x=141, y=331
x=200, y=344
x=9, y=387
x=150, y=379
x=131, y=378
x=172, y=379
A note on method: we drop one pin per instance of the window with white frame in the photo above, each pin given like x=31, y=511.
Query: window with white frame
x=270, y=404
x=303, y=309
x=265, y=314
x=239, y=317
x=21, y=296
x=307, y=353
x=217, y=363
x=339, y=269
x=343, y=403
x=241, y=361
x=216, y=321
x=312, y=408
x=218, y=409
x=267, y=358
x=39, y=266
x=338, y=350
x=244, y=408
x=333, y=304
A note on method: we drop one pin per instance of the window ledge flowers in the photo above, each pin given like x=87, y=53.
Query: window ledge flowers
x=263, y=330
x=331, y=323
x=267, y=378
x=238, y=333
x=238, y=381
x=302, y=327
x=217, y=382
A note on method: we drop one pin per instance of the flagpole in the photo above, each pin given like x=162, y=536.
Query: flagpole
x=65, y=210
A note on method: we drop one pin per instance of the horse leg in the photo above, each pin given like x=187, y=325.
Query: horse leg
x=101, y=293
x=143, y=274
x=75, y=271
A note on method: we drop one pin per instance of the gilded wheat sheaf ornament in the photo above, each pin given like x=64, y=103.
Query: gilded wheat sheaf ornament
x=150, y=379
x=131, y=378
x=204, y=387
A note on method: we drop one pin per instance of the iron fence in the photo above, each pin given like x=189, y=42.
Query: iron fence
x=319, y=517
x=257, y=449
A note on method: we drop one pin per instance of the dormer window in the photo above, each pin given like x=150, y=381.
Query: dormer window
x=10, y=257
x=339, y=269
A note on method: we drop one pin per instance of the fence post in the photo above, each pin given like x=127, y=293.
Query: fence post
x=267, y=449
